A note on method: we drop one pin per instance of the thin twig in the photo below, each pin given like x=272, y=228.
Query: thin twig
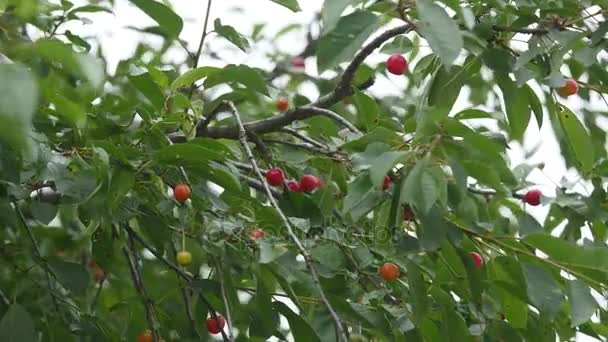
x=304, y=138
x=172, y=266
x=131, y=256
x=334, y=116
x=186, y=298
x=4, y=298
x=220, y=276
x=342, y=335
x=45, y=265
x=201, y=43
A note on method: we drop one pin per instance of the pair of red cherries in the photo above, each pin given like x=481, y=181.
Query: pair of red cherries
x=308, y=183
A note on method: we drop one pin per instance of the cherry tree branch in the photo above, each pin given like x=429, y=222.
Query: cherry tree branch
x=133, y=263
x=342, y=335
x=342, y=90
x=172, y=266
x=304, y=138
x=220, y=276
x=38, y=254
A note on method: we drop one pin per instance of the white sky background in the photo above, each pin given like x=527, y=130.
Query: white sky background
x=119, y=43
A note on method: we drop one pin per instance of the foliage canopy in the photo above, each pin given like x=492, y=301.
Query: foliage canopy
x=90, y=229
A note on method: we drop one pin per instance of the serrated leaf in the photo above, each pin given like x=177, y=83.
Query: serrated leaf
x=516, y=106
x=188, y=154
x=71, y=275
x=192, y=76
x=231, y=35
x=420, y=189
x=290, y=4
x=578, y=138
x=442, y=33
x=543, y=290
x=340, y=44
x=169, y=22
x=241, y=74
x=582, y=303
x=328, y=255
x=17, y=325
x=367, y=111
x=302, y=331
x=18, y=100
x=332, y=11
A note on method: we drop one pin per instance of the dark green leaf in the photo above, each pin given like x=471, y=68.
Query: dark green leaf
x=71, y=275
x=341, y=44
x=582, y=303
x=442, y=33
x=291, y=4
x=17, y=325
x=170, y=23
x=18, y=100
x=543, y=290
x=578, y=138
x=231, y=35
x=302, y=331
x=516, y=106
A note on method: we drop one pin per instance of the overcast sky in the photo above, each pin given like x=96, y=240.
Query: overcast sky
x=119, y=42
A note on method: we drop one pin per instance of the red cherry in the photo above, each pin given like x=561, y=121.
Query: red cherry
x=309, y=183
x=282, y=104
x=146, y=336
x=275, y=177
x=214, y=326
x=181, y=192
x=387, y=183
x=389, y=271
x=570, y=88
x=532, y=197
x=257, y=234
x=298, y=62
x=396, y=64
x=294, y=186
x=477, y=259
x=408, y=215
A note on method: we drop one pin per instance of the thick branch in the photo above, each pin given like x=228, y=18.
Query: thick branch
x=342, y=336
x=342, y=90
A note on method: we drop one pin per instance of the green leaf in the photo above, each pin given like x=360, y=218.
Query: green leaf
x=18, y=100
x=88, y=9
x=71, y=275
x=290, y=4
x=516, y=106
x=418, y=296
x=442, y=33
x=340, y=44
x=188, y=154
x=302, y=331
x=578, y=138
x=170, y=23
x=582, y=303
x=332, y=11
x=535, y=104
x=242, y=74
x=543, y=290
x=367, y=111
x=145, y=84
x=192, y=76
x=361, y=198
x=231, y=35
x=82, y=65
x=269, y=252
x=568, y=253
x=454, y=326
x=17, y=325
x=329, y=255
x=432, y=230
x=400, y=45
x=528, y=225
x=421, y=188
